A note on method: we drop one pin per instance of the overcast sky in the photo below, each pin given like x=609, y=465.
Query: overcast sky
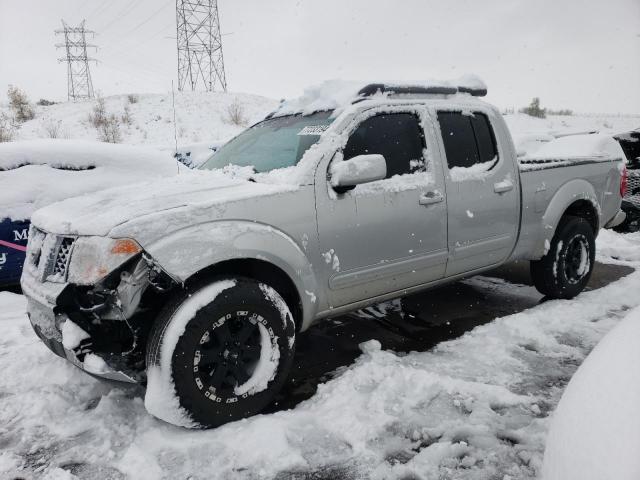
x=577, y=54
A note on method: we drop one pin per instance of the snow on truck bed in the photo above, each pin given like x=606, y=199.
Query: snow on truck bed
x=579, y=146
x=472, y=408
x=571, y=150
x=36, y=173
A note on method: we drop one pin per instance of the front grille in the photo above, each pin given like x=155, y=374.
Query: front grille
x=48, y=256
x=61, y=261
x=633, y=187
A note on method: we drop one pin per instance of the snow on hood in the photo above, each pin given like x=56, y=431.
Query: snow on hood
x=99, y=213
x=335, y=94
x=579, y=146
x=36, y=173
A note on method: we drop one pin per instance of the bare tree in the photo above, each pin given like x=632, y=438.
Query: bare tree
x=20, y=105
x=534, y=109
x=109, y=130
x=236, y=114
x=127, y=118
x=98, y=115
x=133, y=98
x=52, y=128
x=7, y=128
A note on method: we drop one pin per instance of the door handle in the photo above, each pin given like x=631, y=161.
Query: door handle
x=503, y=186
x=430, y=198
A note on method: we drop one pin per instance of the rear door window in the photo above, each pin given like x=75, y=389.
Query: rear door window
x=468, y=139
x=459, y=140
x=396, y=136
x=487, y=151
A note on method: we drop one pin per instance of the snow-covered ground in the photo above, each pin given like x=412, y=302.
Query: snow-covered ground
x=476, y=407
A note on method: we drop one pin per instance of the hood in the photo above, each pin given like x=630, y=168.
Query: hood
x=176, y=199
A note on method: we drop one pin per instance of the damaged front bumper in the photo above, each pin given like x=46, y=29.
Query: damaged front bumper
x=48, y=326
x=93, y=300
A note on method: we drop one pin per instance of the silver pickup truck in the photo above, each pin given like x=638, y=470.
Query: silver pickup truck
x=199, y=284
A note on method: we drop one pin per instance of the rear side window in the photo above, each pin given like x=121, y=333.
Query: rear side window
x=459, y=140
x=396, y=136
x=487, y=150
x=467, y=139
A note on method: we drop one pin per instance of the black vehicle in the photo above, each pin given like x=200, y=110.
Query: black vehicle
x=630, y=143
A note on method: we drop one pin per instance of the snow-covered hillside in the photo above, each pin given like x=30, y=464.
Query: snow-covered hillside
x=200, y=117
x=203, y=117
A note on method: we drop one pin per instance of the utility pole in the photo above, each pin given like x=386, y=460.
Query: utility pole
x=200, y=59
x=79, y=85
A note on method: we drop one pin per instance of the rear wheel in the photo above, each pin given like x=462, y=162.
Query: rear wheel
x=222, y=350
x=566, y=268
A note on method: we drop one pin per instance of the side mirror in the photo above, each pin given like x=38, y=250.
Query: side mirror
x=346, y=174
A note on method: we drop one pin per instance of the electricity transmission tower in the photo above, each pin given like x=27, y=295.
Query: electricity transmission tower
x=200, y=60
x=79, y=85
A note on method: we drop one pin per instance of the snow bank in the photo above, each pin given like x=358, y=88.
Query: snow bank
x=612, y=246
x=579, y=146
x=36, y=173
x=595, y=431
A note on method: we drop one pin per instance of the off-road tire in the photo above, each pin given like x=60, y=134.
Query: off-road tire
x=558, y=274
x=263, y=305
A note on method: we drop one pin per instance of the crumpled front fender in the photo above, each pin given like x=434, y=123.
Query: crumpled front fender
x=186, y=252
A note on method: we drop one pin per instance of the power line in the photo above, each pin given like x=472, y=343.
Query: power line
x=121, y=14
x=79, y=84
x=200, y=59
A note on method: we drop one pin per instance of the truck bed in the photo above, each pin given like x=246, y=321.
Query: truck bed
x=580, y=177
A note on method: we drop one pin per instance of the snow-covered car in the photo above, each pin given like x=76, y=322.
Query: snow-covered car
x=351, y=195
x=595, y=430
x=630, y=143
x=36, y=173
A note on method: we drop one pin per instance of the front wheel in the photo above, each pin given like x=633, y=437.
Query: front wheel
x=566, y=268
x=219, y=353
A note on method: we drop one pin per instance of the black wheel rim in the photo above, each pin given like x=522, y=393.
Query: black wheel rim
x=577, y=259
x=228, y=354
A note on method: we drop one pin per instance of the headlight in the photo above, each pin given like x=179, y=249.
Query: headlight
x=93, y=258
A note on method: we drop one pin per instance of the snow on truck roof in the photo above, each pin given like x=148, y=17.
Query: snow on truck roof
x=337, y=94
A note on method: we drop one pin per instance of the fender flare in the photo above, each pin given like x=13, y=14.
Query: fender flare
x=186, y=252
x=571, y=192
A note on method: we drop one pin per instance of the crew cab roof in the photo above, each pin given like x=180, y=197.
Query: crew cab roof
x=338, y=94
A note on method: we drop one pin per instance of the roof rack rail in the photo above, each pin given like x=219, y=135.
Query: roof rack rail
x=374, y=88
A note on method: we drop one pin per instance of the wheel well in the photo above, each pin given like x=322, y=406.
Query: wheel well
x=584, y=209
x=261, y=271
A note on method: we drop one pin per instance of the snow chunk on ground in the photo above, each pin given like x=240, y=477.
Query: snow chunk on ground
x=72, y=335
x=94, y=364
x=595, y=431
x=160, y=399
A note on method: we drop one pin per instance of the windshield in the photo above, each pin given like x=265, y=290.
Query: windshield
x=274, y=143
